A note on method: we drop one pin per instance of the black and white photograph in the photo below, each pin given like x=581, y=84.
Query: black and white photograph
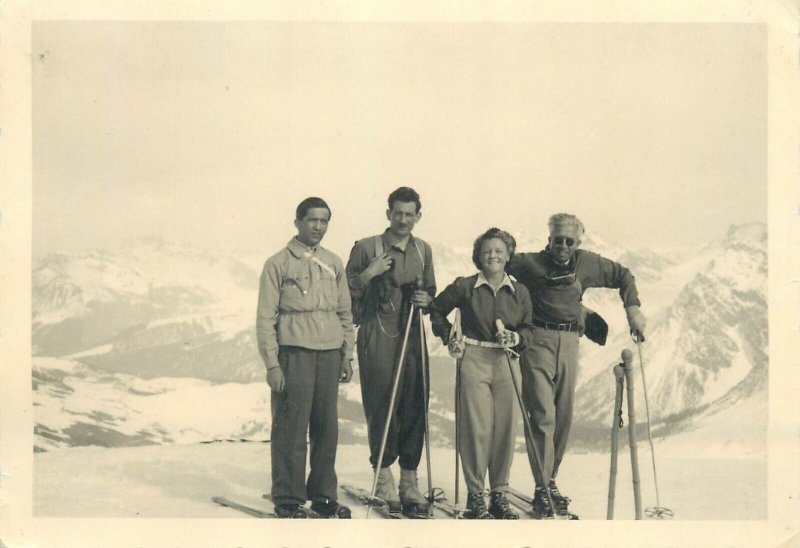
x=441, y=266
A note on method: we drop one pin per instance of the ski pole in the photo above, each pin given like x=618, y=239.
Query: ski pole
x=616, y=426
x=656, y=511
x=390, y=412
x=627, y=358
x=456, y=332
x=425, y=395
x=526, y=419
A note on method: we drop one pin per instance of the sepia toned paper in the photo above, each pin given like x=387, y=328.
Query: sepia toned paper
x=203, y=123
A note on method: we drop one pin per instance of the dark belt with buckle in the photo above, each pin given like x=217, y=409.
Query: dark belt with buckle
x=571, y=326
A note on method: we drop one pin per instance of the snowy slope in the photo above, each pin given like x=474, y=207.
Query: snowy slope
x=76, y=404
x=179, y=481
x=707, y=348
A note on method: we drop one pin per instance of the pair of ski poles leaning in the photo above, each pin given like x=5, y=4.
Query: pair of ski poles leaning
x=415, y=311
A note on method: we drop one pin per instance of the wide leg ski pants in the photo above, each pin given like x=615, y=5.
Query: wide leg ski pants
x=549, y=371
x=378, y=356
x=306, y=408
x=487, y=420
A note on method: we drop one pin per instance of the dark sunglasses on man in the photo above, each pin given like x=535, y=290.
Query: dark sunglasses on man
x=559, y=240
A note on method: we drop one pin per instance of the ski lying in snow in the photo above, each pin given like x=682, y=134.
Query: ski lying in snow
x=250, y=510
x=525, y=503
x=448, y=508
x=362, y=496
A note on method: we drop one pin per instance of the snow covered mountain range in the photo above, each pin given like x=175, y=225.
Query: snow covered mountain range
x=154, y=343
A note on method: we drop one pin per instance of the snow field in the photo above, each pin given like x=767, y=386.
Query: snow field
x=179, y=481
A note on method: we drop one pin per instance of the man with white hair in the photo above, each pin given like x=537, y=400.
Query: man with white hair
x=556, y=278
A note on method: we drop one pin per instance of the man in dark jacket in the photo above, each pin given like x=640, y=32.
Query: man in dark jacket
x=556, y=278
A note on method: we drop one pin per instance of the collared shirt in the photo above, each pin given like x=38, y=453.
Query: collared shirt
x=556, y=290
x=387, y=295
x=481, y=306
x=506, y=282
x=303, y=300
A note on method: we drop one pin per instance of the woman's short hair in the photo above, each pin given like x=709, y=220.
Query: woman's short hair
x=508, y=239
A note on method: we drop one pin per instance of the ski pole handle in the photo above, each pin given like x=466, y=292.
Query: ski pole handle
x=420, y=286
x=455, y=329
x=501, y=328
x=627, y=360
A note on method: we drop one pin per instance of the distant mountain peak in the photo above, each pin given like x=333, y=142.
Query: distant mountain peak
x=753, y=233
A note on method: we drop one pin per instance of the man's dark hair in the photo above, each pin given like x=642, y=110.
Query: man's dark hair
x=310, y=203
x=508, y=239
x=405, y=194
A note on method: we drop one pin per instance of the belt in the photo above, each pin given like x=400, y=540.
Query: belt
x=571, y=326
x=484, y=344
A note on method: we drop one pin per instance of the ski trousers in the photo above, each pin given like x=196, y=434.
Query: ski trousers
x=378, y=357
x=307, y=407
x=549, y=372
x=486, y=417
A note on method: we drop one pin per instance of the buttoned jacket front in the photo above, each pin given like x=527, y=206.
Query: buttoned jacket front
x=303, y=301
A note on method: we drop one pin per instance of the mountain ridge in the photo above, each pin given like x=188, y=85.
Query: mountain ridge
x=154, y=310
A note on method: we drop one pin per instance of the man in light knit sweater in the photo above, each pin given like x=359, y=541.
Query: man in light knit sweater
x=304, y=329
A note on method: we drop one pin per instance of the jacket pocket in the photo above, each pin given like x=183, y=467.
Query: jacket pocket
x=295, y=292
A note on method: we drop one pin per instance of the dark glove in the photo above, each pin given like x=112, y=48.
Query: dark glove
x=595, y=328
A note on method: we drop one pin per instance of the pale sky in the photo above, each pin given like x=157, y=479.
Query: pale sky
x=211, y=133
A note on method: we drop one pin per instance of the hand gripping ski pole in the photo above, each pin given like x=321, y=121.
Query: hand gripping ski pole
x=425, y=394
x=390, y=411
x=526, y=419
x=656, y=511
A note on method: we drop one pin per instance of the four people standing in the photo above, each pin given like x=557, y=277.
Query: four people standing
x=305, y=336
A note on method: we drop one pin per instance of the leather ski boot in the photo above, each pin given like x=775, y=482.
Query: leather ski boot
x=499, y=507
x=328, y=508
x=414, y=504
x=387, y=490
x=476, y=507
x=293, y=511
x=541, y=506
x=561, y=502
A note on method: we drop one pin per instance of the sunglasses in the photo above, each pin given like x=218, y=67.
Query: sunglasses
x=558, y=240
